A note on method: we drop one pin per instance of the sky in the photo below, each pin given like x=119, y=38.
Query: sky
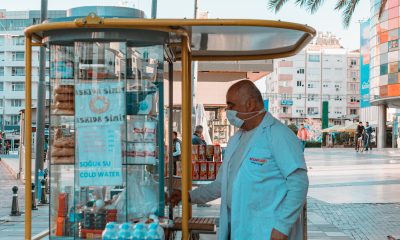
x=325, y=20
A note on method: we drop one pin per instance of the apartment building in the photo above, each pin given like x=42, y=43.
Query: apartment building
x=324, y=71
x=12, y=63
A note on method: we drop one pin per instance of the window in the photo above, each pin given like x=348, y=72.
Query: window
x=353, y=62
x=284, y=109
x=299, y=97
x=300, y=71
x=337, y=122
x=1, y=104
x=352, y=87
x=325, y=85
x=338, y=98
x=18, y=41
x=15, y=119
x=2, y=58
x=353, y=111
x=312, y=111
x=18, y=86
x=299, y=83
x=354, y=99
x=311, y=97
x=1, y=86
x=16, y=102
x=47, y=71
x=1, y=71
x=310, y=85
x=18, y=56
x=313, y=58
x=1, y=41
x=18, y=71
x=354, y=75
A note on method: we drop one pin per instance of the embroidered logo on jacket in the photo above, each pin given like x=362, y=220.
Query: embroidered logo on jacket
x=258, y=161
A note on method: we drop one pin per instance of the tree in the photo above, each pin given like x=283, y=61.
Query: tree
x=346, y=6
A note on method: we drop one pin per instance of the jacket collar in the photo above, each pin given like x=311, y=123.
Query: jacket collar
x=268, y=120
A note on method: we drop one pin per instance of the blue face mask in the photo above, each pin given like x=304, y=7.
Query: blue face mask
x=238, y=122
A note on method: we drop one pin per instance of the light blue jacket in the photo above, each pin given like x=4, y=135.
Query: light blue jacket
x=259, y=188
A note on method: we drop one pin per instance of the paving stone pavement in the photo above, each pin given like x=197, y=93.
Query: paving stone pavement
x=360, y=221
x=12, y=228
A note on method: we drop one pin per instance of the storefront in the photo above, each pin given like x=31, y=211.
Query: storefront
x=106, y=116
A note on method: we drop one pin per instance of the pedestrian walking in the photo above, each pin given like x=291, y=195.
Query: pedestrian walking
x=302, y=134
x=368, y=134
x=359, y=134
x=263, y=180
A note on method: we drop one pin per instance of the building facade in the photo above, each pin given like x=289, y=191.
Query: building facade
x=324, y=71
x=12, y=64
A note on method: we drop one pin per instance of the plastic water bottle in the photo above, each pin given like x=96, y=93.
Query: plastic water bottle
x=140, y=232
x=125, y=232
x=153, y=233
x=110, y=232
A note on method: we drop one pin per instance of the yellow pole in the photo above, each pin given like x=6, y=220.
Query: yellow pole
x=190, y=91
x=28, y=137
x=186, y=137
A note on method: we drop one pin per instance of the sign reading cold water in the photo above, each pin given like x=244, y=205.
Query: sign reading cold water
x=99, y=116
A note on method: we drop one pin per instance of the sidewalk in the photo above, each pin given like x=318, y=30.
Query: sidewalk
x=14, y=227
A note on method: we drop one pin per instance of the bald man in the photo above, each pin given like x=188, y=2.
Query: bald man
x=263, y=180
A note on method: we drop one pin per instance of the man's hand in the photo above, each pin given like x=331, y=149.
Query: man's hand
x=276, y=235
x=175, y=197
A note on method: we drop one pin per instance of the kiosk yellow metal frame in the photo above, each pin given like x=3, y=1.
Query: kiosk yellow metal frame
x=181, y=29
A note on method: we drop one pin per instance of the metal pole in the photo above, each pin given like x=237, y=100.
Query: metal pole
x=195, y=9
x=41, y=102
x=154, y=9
x=28, y=136
x=3, y=135
x=161, y=145
x=170, y=129
x=186, y=136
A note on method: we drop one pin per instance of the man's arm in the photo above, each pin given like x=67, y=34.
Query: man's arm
x=290, y=209
x=209, y=192
x=289, y=156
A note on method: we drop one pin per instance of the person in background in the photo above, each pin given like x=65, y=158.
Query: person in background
x=197, y=138
x=368, y=135
x=177, y=143
x=359, y=132
x=8, y=146
x=302, y=134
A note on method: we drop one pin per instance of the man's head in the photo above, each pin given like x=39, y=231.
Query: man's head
x=174, y=135
x=367, y=124
x=360, y=123
x=245, y=98
x=302, y=125
x=199, y=130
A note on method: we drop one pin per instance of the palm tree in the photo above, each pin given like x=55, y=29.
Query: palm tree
x=346, y=6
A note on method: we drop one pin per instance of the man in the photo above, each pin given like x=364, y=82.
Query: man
x=197, y=138
x=359, y=133
x=368, y=134
x=176, y=150
x=302, y=134
x=263, y=180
